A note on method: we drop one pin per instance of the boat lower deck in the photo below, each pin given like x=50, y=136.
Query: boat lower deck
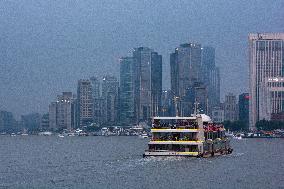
x=170, y=153
x=188, y=154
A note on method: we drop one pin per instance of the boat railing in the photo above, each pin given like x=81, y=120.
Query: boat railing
x=175, y=127
x=174, y=139
x=153, y=150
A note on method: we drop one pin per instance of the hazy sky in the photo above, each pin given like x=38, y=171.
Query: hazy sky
x=46, y=46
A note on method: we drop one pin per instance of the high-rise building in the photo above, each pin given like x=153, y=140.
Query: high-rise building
x=244, y=108
x=62, y=113
x=110, y=95
x=185, y=73
x=44, y=124
x=271, y=98
x=156, y=83
x=96, y=87
x=65, y=115
x=201, y=97
x=85, y=102
x=266, y=52
x=148, y=83
x=127, y=91
x=31, y=121
x=230, y=108
x=52, y=111
x=98, y=101
x=7, y=122
x=218, y=114
x=210, y=77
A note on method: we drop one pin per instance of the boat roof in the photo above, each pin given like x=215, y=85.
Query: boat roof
x=174, y=117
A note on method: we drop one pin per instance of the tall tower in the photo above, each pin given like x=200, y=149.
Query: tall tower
x=98, y=101
x=148, y=82
x=65, y=111
x=266, y=59
x=96, y=92
x=85, y=102
x=127, y=91
x=210, y=77
x=110, y=95
x=185, y=73
x=62, y=113
x=230, y=107
x=244, y=108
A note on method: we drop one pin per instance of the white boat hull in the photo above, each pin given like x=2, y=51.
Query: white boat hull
x=190, y=154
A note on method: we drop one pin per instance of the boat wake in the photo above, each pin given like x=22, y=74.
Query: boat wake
x=235, y=154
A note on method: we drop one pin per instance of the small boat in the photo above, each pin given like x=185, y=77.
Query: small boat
x=238, y=137
x=13, y=134
x=45, y=133
x=143, y=135
x=71, y=134
x=61, y=136
x=24, y=134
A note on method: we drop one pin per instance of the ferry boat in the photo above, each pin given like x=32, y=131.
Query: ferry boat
x=194, y=136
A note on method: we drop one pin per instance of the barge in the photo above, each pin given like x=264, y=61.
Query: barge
x=194, y=136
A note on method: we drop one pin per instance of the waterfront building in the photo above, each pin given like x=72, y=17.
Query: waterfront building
x=65, y=116
x=44, y=124
x=110, y=86
x=7, y=121
x=62, y=113
x=52, y=110
x=210, y=76
x=244, y=108
x=148, y=83
x=271, y=97
x=96, y=87
x=201, y=97
x=185, y=65
x=85, y=102
x=217, y=114
x=266, y=52
x=99, y=102
x=127, y=90
x=31, y=121
x=99, y=110
x=230, y=108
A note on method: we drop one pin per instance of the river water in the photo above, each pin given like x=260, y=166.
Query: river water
x=116, y=162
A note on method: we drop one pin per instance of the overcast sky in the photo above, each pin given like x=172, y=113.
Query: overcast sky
x=46, y=46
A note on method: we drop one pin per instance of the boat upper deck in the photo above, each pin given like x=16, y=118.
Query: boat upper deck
x=171, y=124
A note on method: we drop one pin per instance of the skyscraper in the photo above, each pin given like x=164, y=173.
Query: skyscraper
x=31, y=121
x=127, y=90
x=96, y=86
x=266, y=52
x=85, y=102
x=52, y=111
x=98, y=101
x=230, y=108
x=210, y=77
x=62, y=113
x=110, y=95
x=65, y=111
x=244, y=108
x=7, y=121
x=148, y=82
x=185, y=73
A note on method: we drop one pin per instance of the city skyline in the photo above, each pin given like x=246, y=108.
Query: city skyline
x=46, y=50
